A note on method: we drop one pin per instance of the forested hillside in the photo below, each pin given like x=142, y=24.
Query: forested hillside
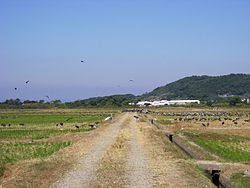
x=203, y=88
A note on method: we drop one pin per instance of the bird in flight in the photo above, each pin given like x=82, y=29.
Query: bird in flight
x=131, y=80
x=27, y=81
x=47, y=96
x=82, y=61
x=15, y=88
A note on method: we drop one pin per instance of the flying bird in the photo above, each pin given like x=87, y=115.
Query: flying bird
x=82, y=61
x=15, y=88
x=47, y=96
x=131, y=80
x=27, y=81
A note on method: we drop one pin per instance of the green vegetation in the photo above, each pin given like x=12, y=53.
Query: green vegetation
x=22, y=151
x=97, y=102
x=19, y=141
x=36, y=134
x=50, y=118
x=18, y=151
x=229, y=147
x=165, y=120
x=2, y=168
x=108, y=101
x=233, y=101
x=240, y=180
x=205, y=88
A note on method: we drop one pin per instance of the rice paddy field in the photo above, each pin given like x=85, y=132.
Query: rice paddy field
x=220, y=135
x=37, y=134
x=223, y=135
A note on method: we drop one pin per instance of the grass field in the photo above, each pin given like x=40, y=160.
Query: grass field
x=14, y=134
x=50, y=118
x=240, y=180
x=22, y=151
x=24, y=133
x=231, y=148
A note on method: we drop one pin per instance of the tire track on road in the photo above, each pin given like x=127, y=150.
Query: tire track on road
x=138, y=174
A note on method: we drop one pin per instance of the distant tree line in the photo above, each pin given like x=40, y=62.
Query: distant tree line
x=109, y=101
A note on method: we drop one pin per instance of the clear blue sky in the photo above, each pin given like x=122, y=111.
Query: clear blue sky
x=153, y=42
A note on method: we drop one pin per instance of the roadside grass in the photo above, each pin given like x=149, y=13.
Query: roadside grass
x=165, y=120
x=232, y=148
x=11, y=153
x=2, y=169
x=240, y=180
x=9, y=134
x=111, y=171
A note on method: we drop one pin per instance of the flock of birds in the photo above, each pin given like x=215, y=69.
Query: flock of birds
x=82, y=61
x=26, y=82
x=204, y=118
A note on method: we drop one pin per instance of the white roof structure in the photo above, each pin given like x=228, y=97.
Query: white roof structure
x=143, y=103
x=166, y=102
x=180, y=102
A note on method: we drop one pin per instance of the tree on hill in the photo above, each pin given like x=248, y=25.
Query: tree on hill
x=233, y=101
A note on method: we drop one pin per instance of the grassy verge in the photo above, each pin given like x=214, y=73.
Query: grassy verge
x=11, y=153
x=111, y=171
x=229, y=147
x=240, y=181
x=36, y=134
x=2, y=169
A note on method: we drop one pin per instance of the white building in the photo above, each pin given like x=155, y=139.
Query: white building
x=182, y=102
x=160, y=103
x=245, y=100
x=144, y=103
x=166, y=102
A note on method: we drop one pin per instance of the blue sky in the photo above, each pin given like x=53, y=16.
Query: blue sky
x=153, y=42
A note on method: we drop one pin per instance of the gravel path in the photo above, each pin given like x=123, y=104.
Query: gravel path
x=138, y=174
x=83, y=172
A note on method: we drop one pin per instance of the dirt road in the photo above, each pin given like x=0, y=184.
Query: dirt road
x=131, y=153
x=83, y=172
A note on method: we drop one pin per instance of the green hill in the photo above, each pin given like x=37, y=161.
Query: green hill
x=203, y=88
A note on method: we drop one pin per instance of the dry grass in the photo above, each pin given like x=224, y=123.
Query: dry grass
x=170, y=166
x=111, y=170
